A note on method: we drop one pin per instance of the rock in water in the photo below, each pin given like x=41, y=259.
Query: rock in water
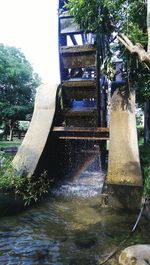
x=135, y=255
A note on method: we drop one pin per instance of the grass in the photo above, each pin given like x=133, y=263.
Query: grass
x=7, y=143
x=4, y=144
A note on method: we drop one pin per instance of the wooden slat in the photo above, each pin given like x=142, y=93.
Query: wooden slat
x=79, y=82
x=79, y=88
x=81, y=110
x=79, y=60
x=82, y=133
x=78, y=56
x=80, y=129
x=78, y=49
x=79, y=93
x=83, y=138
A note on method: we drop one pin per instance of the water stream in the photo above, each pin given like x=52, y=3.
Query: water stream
x=68, y=228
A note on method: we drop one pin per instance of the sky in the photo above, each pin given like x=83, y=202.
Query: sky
x=31, y=26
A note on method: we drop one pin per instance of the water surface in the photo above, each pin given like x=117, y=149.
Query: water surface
x=69, y=228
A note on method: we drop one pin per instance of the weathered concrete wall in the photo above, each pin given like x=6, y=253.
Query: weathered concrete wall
x=29, y=153
x=123, y=164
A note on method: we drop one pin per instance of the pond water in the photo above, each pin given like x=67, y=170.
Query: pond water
x=69, y=228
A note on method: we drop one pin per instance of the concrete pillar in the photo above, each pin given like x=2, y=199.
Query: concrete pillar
x=124, y=177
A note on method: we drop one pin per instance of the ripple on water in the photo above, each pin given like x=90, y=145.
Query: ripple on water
x=67, y=229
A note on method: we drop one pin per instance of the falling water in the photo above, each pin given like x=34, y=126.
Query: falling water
x=88, y=182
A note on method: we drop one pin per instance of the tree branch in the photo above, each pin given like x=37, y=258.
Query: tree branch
x=137, y=48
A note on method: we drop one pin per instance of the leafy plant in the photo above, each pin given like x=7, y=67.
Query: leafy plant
x=32, y=189
x=147, y=180
x=109, y=16
x=29, y=189
x=6, y=179
x=145, y=163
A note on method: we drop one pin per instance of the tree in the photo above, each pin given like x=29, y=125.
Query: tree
x=17, y=86
x=127, y=21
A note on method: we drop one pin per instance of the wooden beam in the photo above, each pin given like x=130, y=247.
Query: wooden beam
x=78, y=48
x=80, y=129
x=83, y=138
x=79, y=82
x=72, y=60
x=81, y=112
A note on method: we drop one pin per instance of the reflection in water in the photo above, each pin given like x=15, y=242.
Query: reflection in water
x=67, y=230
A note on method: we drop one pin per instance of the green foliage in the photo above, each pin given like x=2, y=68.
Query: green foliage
x=138, y=74
x=6, y=181
x=141, y=83
x=109, y=16
x=32, y=189
x=137, y=22
x=147, y=180
x=90, y=15
x=140, y=133
x=145, y=162
x=17, y=85
x=29, y=189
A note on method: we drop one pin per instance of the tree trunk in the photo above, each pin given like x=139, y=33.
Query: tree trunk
x=147, y=122
x=147, y=103
x=10, y=133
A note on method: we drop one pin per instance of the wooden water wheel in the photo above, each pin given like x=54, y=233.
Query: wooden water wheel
x=84, y=99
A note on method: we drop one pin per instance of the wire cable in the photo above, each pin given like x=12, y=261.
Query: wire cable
x=124, y=241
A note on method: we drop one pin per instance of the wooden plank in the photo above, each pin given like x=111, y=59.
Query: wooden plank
x=79, y=60
x=79, y=82
x=83, y=138
x=81, y=133
x=86, y=111
x=79, y=93
x=80, y=129
x=78, y=49
x=84, y=120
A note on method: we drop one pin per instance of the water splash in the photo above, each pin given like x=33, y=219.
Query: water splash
x=88, y=183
